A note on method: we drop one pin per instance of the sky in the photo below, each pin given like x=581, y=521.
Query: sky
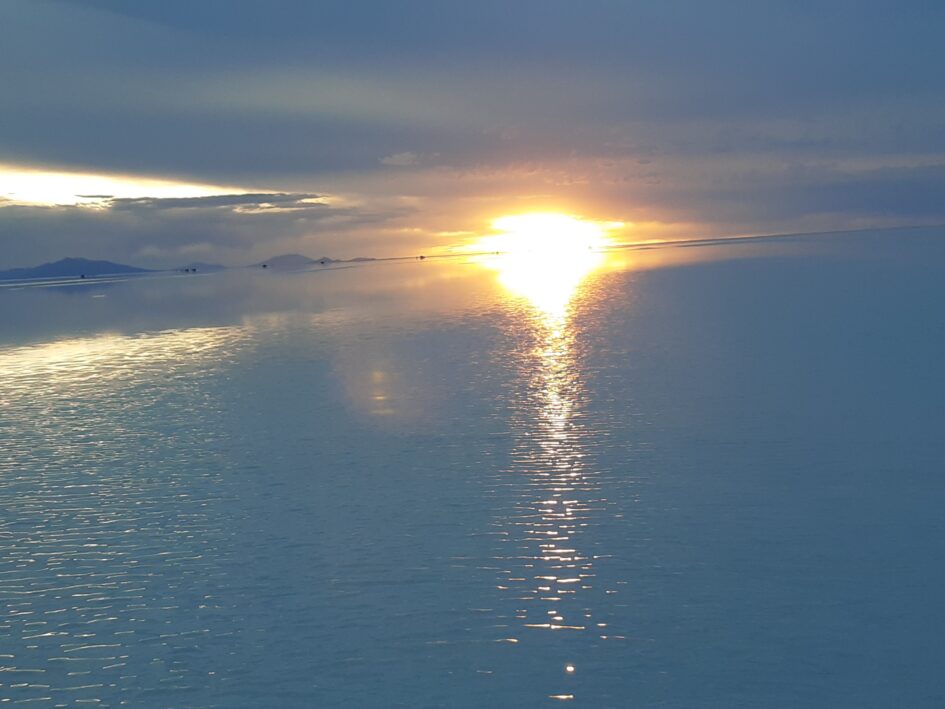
x=168, y=131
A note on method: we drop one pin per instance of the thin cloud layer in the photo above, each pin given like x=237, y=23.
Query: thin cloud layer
x=232, y=229
x=427, y=119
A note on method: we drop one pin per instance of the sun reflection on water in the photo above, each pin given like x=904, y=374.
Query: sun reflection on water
x=548, y=283
x=549, y=569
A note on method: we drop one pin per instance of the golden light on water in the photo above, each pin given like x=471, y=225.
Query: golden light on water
x=549, y=286
x=544, y=257
x=546, y=260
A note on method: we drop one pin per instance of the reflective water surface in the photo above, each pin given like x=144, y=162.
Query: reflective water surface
x=699, y=476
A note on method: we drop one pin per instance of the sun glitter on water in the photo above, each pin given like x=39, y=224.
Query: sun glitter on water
x=545, y=257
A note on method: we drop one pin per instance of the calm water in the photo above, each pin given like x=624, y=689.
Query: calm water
x=680, y=477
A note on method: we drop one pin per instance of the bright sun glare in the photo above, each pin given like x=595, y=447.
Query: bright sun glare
x=544, y=258
x=549, y=234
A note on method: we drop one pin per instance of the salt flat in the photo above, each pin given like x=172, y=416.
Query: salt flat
x=700, y=476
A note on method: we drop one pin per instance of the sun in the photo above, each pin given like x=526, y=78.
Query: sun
x=544, y=258
x=548, y=234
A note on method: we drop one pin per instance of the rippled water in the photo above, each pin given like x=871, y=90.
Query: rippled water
x=678, y=477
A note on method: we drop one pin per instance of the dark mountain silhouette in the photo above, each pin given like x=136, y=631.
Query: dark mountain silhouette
x=71, y=268
x=287, y=262
x=291, y=262
x=89, y=268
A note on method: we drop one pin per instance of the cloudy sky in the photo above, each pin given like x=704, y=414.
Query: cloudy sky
x=167, y=131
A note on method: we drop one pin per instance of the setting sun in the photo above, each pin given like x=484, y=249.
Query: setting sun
x=544, y=257
x=543, y=233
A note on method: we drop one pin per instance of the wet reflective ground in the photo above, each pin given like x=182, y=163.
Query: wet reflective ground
x=680, y=477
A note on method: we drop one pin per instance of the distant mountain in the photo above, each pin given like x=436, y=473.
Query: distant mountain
x=293, y=262
x=296, y=262
x=201, y=267
x=71, y=268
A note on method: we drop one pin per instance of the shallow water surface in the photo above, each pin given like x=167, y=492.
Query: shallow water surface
x=680, y=477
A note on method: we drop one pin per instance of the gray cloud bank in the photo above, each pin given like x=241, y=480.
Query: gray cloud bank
x=234, y=229
x=734, y=115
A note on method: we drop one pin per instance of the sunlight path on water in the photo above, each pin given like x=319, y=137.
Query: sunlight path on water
x=549, y=556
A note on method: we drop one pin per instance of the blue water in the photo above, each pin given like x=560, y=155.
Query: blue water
x=693, y=477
